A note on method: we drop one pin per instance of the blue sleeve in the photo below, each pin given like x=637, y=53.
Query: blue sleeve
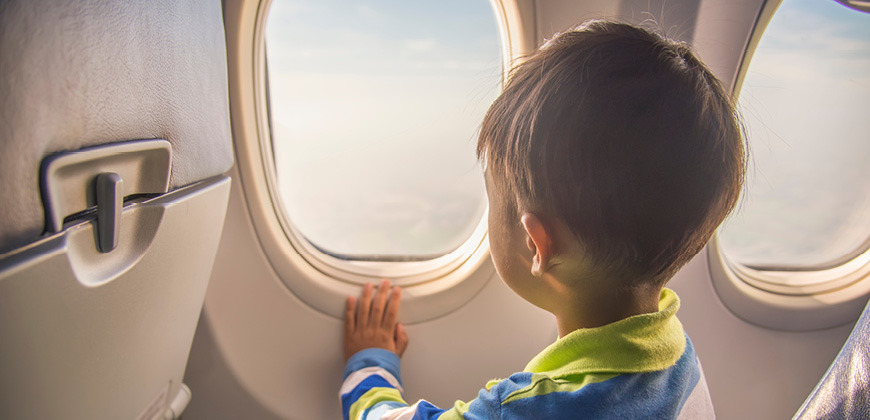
x=372, y=388
x=383, y=358
x=372, y=385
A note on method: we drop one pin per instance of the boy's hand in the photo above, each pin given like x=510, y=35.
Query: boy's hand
x=375, y=322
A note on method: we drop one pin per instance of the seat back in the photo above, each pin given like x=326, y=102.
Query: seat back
x=844, y=391
x=114, y=138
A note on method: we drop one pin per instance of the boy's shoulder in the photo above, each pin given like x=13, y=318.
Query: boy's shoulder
x=644, y=366
x=676, y=392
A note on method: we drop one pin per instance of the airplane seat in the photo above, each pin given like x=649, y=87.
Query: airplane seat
x=114, y=143
x=844, y=391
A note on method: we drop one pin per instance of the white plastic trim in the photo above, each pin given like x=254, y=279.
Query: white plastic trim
x=431, y=288
x=787, y=300
x=178, y=404
x=750, y=295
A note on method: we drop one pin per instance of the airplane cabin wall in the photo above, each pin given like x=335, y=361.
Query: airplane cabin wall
x=260, y=352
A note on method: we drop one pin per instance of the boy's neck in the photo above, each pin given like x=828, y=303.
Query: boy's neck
x=596, y=307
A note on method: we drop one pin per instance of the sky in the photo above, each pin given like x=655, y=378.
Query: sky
x=376, y=107
x=375, y=112
x=804, y=102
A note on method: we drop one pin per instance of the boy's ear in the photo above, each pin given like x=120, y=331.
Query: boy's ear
x=539, y=242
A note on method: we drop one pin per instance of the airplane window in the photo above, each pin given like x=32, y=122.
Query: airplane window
x=804, y=101
x=375, y=108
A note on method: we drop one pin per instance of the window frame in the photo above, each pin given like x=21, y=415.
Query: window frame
x=816, y=298
x=432, y=287
x=401, y=273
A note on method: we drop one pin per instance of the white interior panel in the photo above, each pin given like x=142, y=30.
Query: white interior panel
x=752, y=372
x=262, y=353
x=288, y=357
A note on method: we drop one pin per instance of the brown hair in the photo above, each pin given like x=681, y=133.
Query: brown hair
x=624, y=136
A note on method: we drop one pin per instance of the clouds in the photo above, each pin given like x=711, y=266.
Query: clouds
x=374, y=112
x=804, y=102
x=816, y=39
x=423, y=44
x=369, y=13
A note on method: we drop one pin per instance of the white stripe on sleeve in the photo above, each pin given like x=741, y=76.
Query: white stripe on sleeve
x=357, y=377
x=405, y=413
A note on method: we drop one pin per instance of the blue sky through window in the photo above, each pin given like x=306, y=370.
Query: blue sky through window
x=804, y=102
x=375, y=111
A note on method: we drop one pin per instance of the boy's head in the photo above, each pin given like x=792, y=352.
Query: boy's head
x=621, y=137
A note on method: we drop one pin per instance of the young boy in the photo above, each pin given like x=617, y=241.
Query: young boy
x=611, y=157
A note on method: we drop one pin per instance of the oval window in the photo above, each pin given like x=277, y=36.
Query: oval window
x=804, y=101
x=374, y=111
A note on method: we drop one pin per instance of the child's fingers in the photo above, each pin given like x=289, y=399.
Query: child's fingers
x=401, y=339
x=379, y=302
x=392, y=313
x=365, y=303
x=350, y=315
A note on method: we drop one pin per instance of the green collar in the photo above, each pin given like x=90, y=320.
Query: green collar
x=641, y=343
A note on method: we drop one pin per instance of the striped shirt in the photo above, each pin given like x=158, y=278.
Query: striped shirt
x=639, y=367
